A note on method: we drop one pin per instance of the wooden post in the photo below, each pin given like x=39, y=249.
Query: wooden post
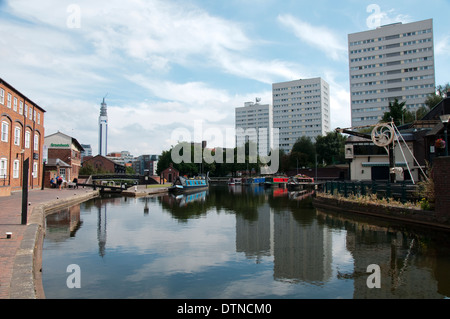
x=391, y=163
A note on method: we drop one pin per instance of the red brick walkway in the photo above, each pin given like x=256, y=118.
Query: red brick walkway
x=10, y=221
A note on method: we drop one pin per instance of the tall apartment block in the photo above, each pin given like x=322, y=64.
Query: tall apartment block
x=395, y=61
x=300, y=108
x=255, y=122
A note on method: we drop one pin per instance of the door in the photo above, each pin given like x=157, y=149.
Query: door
x=380, y=173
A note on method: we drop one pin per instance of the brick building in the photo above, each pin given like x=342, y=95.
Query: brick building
x=170, y=174
x=62, y=148
x=22, y=137
x=103, y=164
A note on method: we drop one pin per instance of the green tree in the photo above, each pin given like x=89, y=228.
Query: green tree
x=396, y=113
x=331, y=148
x=130, y=170
x=304, y=151
x=434, y=98
x=87, y=169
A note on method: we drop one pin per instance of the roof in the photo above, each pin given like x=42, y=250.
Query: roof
x=56, y=162
x=101, y=157
x=74, y=140
x=439, y=127
x=442, y=107
x=384, y=164
x=18, y=92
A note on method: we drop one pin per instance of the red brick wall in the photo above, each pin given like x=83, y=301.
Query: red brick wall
x=100, y=162
x=441, y=177
x=69, y=156
x=35, y=125
x=170, y=171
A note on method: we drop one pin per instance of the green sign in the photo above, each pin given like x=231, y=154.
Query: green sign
x=59, y=145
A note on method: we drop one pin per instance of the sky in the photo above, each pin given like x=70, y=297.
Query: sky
x=169, y=66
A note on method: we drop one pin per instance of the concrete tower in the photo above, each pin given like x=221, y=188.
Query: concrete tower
x=103, y=130
x=394, y=61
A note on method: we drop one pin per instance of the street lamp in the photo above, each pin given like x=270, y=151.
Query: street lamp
x=444, y=119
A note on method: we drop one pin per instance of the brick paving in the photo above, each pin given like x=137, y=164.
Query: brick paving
x=10, y=221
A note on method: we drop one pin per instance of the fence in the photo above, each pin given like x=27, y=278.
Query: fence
x=402, y=191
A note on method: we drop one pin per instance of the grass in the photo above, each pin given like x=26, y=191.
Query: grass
x=372, y=199
x=158, y=185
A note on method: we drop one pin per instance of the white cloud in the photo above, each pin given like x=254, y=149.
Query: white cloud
x=442, y=46
x=133, y=51
x=339, y=102
x=319, y=37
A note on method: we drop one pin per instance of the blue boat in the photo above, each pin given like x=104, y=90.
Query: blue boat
x=259, y=180
x=253, y=181
x=187, y=185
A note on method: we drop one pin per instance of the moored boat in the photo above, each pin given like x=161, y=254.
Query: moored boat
x=299, y=180
x=186, y=185
x=235, y=181
x=275, y=181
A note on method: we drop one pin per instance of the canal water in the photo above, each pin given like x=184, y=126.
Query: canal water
x=237, y=242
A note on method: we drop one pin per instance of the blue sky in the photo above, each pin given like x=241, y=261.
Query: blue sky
x=164, y=64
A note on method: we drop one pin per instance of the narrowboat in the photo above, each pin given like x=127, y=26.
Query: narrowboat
x=235, y=181
x=253, y=181
x=187, y=185
x=275, y=181
x=299, y=180
x=259, y=180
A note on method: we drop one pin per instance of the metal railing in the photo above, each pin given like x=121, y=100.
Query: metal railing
x=402, y=191
x=4, y=180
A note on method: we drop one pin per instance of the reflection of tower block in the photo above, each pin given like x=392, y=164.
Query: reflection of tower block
x=349, y=152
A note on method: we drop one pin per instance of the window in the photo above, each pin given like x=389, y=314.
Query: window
x=2, y=96
x=17, y=135
x=16, y=169
x=3, y=166
x=31, y=113
x=62, y=173
x=5, y=130
x=27, y=139
x=21, y=108
x=35, y=169
x=39, y=118
x=26, y=110
x=9, y=100
x=36, y=142
x=15, y=104
x=34, y=115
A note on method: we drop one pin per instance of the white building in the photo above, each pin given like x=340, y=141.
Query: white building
x=395, y=61
x=87, y=151
x=254, y=123
x=300, y=108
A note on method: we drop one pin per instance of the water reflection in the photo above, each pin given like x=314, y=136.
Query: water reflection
x=244, y=242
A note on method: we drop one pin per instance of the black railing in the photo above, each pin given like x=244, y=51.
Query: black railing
x=4, y=180
x=402, y=191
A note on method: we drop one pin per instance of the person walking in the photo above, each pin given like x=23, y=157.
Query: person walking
x=59, y=181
